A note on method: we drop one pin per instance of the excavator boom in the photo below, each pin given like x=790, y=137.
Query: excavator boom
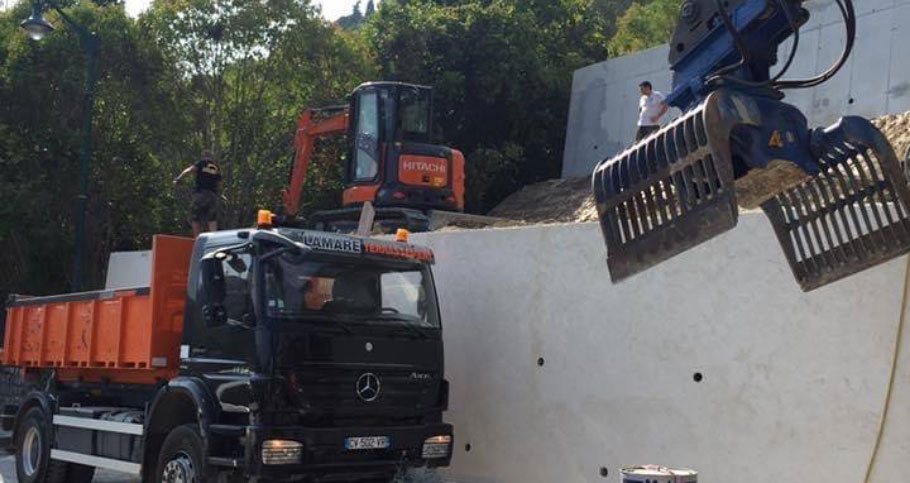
x=312, y=125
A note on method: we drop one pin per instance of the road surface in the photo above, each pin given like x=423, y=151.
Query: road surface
x=8, y=473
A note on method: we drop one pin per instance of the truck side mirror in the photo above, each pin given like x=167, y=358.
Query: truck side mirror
x=214, y=292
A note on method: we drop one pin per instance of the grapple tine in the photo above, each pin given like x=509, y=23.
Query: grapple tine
x=669, y=192
x=861, y=195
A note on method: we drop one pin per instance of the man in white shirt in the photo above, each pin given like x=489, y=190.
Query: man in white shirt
x=651, y=108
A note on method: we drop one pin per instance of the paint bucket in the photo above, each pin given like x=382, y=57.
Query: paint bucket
x=658, y=474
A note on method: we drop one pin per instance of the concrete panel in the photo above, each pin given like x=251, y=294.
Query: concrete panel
x=830, y=100
x=603, y=93
x=129, y=269
x=793, y=384
x=899, y=83
x=873, y=56
x=877, y=79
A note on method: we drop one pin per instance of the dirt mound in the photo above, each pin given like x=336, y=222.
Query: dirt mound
x=570, y=200
x=896, y=128
x=553, y=201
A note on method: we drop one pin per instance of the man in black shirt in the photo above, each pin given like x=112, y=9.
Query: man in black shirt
x=203, y=208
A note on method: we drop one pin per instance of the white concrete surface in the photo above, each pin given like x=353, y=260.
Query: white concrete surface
x=129, y=269
x=875, y=81
x=793, y=384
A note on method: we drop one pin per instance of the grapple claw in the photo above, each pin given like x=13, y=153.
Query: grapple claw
x=669, y=192
x=852, y=216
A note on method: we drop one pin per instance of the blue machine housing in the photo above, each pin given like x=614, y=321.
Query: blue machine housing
x=837, y=198
x=763, y=26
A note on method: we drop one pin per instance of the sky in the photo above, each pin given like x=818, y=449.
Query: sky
x=331, y=9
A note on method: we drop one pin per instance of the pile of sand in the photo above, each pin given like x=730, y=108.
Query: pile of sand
x=570, y=200
x=896, y=128
x=553, y=201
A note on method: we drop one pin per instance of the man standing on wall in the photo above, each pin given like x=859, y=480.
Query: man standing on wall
x=203, y=208
x=651, y=108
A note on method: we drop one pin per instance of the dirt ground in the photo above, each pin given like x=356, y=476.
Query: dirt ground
x=570, y=200
x=896, y=128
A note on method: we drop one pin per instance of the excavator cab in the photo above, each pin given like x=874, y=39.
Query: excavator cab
x=391, y=162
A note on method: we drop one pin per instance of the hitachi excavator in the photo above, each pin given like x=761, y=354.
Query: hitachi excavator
x=390, y=163
x=836, y=197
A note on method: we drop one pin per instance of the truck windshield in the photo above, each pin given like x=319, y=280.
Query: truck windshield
x=368, y=293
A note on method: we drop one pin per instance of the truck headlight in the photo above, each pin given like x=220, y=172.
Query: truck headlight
x=436, y=447
x=281, y=452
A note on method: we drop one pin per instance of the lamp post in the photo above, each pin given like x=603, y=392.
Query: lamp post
x=37, y=27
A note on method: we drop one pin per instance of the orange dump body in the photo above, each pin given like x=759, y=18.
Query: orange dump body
x=129, y=336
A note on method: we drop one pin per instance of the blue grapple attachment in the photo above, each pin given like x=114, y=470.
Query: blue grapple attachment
x=836, y=197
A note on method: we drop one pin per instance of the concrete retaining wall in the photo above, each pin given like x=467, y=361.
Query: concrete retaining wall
x=876, y=80
x=793, y=384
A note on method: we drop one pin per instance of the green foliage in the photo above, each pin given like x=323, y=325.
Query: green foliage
x=233, y=76
x=248, y=70
x=189, y=74
x=502, y=70
x=357, y=18
x=41, y=86
x=645, y=25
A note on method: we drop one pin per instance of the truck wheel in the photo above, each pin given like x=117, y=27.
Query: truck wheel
x=33, y=450
x=181, y=460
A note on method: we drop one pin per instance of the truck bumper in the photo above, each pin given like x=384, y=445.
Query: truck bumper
x=325, y=457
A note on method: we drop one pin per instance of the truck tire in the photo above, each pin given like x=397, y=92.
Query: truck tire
x=181, y=459
x=33, y=450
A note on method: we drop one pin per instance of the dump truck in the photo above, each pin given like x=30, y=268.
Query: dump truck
x=264, y=354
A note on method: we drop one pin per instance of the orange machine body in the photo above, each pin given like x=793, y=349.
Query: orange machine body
x=390, y=167
x=129, y=336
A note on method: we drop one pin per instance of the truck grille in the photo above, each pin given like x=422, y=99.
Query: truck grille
x=334, y=388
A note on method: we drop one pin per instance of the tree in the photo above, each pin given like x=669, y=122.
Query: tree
x=187, y=75
x=356, y=18
x=645, y=25
x=41, y=88
x=353, y=20
x=502, y=70
x=248, y=69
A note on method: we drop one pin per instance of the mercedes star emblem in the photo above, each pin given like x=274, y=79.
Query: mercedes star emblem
x=368, y=387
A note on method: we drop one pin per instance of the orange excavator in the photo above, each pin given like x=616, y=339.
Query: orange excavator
x=390, y=161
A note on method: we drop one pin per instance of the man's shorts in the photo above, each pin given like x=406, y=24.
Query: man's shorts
x=645, y=131
x=203, y=208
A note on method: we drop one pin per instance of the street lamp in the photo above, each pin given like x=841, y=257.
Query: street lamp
x=37, y=27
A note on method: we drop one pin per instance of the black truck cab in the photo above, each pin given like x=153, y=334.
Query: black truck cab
x=322, y=354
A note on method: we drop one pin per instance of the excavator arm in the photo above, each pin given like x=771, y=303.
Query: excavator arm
x=836, y=197
x=313, y=124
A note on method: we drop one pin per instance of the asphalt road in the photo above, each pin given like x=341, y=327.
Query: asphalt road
x=8, y=473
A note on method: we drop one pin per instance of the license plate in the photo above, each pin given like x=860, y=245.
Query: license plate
x=366, y=442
